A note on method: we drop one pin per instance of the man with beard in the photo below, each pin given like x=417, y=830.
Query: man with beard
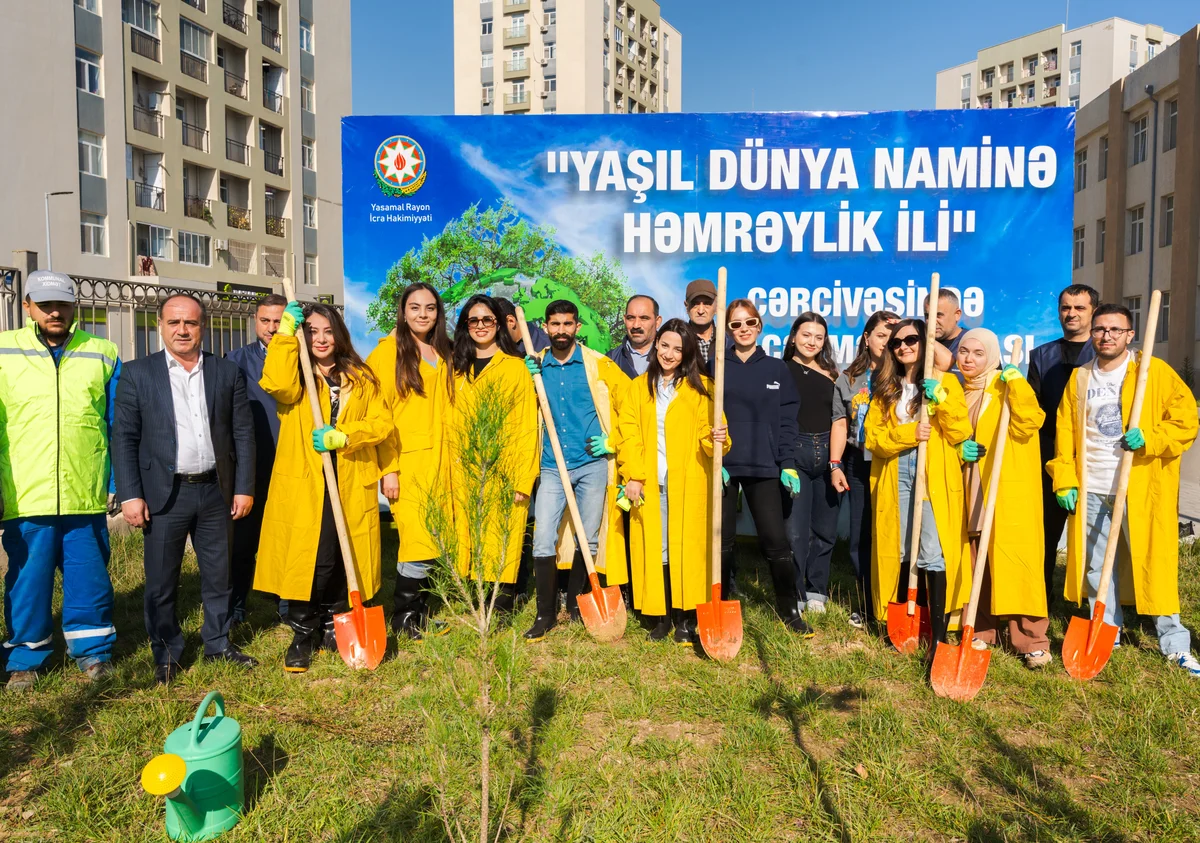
x=584, y=390
x=641, y=327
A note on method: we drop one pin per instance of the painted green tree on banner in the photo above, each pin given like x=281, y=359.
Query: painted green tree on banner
x=471, y=252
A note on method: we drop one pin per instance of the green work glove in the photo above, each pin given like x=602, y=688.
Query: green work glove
x=1133, y=439
x=1010, y=373
x=623, y=502
x=292, y=319
x=971, y=451
x=534, y=365
x=790, y=479
x=724, y=476
x=328, y=439
x=1067, y=498
x=598, y=446
x=935, y=393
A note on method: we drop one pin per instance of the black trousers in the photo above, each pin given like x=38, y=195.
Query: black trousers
x=198, y=510
x=811, y=518
x=329, y=577
x=858, y=474
x=246, y=533
x=1054, y=519
x=764, y=497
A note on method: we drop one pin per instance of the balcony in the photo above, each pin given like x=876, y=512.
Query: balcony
x=1050, y=93
x=199, y=5
x=147, y=196
x=197, y=208
x=236, y=85
x=145, y=45
x=1050, y=64
x=516, y=102
x=270, y=38
x=145, y=120
x=986, y=82
x=237, y=151
x=273, y=101
x=516, y=36
x=238, y=217
x=193, y=66
x=276, y=226
x=273, y=163
x=511, y=6
x=195, y=137
x=516, y=68
x=234, y=17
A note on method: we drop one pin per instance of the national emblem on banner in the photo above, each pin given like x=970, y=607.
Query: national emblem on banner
x=400, y=166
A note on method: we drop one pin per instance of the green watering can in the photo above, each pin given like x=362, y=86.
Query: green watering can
x=200, y=774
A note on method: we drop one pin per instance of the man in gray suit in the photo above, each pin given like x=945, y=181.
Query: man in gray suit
x=183, y=456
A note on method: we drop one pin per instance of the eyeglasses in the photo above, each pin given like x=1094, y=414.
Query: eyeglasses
x=481, y=321
x=1116, y=332
x=752, y=322
x=910, y=341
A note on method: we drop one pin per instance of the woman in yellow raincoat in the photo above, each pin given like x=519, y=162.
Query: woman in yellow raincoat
x=665, y=460
x=1012, y=592
x=299, y=557
x=892, y=434
x=494, y=429
x=414, y=368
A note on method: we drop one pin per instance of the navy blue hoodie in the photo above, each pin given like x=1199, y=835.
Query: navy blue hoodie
x=761, y=406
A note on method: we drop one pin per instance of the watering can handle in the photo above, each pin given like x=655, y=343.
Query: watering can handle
x=211, y=697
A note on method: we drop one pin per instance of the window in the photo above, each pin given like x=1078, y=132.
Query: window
x=1073, y=102
x=223, y=190
x=1076, y=48
x=1077, y=253
x=1151, y=50
x=487, y=60
x=1171, y=125
x=1102, y=164
x=94, y=320
x=308, y=154
x=1163, y=332
x=310, y=212
x=989, y=78
x=1080, y=170
x=966, y=81
x=1073, y=78
x=518, y=24
x=518, y=91
x=90, y=5
x=308, y=97
x=1133, y=52
x=91, y=154
x=154, y=241
x=91, y=229
x=1137, y=227
x=1137, y=150
x=606, y=60
x=146, y=338
x=306, y=36
x=193, y=39
x=310, y=270
x=1100, y=240
x=518, y=55
x=87, y=71
x=141, y=14
x=551, y=51
x=1168, y=221
x=193, y=249
x=489, y=93
x=549, y=111
x=1134, y=303
x=550, y=85
x=486, y=27
x=551, y=18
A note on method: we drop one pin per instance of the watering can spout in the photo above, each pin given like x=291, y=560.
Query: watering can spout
x=164, y=776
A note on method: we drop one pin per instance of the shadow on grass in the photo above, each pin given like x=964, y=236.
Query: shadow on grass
x=529, y=790
x=407, y=814
x=262, y=764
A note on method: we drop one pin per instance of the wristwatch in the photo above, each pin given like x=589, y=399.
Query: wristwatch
x=835, y=465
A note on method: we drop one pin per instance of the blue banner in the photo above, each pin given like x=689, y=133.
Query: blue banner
x=844, y=214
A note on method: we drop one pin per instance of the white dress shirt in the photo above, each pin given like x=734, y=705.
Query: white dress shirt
x=193, y=436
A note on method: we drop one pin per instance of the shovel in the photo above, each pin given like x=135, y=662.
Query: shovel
x=1088, y=644
x=908, y=623
x=958, y=671
x=361, y=632
x=719, y=622
x=602, y=609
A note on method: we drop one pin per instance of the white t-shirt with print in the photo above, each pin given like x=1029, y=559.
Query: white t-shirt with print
x=1103, y=428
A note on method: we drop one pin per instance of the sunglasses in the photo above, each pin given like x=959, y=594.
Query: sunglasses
x=481, y=321
x=910, y=341
x=752, y=322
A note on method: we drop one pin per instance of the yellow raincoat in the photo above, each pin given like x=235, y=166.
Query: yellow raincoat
x=688, y=429
x=415, y=450
x=1150, y=580
x=510, y=379
x=1016, y=552
x=287, y=552
x=886, y=439
x=607, y=384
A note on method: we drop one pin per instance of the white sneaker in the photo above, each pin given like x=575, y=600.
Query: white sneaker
x=817, y=607
x=1186, y=661
x=856, y=620
x=978, y=644
x=1038, y=659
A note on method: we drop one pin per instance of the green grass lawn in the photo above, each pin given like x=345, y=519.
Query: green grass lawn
x=838, y=738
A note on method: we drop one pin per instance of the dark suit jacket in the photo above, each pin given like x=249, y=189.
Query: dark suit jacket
x=143, y=444
x=250, y=359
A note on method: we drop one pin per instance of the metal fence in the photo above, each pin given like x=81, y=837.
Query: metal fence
x=10, y=308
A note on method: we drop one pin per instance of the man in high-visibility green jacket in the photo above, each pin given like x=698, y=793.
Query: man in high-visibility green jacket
x=57, y=390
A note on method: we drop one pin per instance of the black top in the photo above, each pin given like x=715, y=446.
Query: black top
x=1050, y=368
x=816, y=398
x=478, y=364
x=760, y=407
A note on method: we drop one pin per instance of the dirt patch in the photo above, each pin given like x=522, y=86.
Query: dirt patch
x=699, y=734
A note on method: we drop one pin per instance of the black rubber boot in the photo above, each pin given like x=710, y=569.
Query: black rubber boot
x=505, y=601
x=577, y=584
x=935, y=587
x=729, y=589
x=685, y=627
x=783, y=575
x=409, y=608
x=663, y=627
x=328, y=635
x=303, y=621
x=545, y=580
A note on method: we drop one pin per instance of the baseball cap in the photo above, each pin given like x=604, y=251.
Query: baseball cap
x=700, y=287
x=45, y=285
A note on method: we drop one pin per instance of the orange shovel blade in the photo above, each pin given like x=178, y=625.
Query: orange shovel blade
x=719, y=624
x=361, y=634
x=959, y=670
x=1088, y=644
x=907, y=631
x=603, y=611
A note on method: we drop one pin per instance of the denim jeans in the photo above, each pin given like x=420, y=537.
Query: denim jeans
x=811, y=517
x=590, y=483
x=929, y=557
x=1173, y=636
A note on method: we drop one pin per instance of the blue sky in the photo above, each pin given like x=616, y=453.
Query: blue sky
x=788, y=55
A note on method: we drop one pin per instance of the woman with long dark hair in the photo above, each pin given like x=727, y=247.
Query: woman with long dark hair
x=299, y=556
x=761, y=404
x=488, y=375
x=413, y=366
x=893, y=433
x=849, y=460
x=664, y=458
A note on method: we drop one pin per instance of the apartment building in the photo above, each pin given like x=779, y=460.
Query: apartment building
x=1137, y=194
x=577, y=57
x=1054, y=67
x=195, y=144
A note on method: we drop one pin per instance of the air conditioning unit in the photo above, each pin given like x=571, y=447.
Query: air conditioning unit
x=221, y=245
x=545, y=94
x=545, y=62
x=545, y=29
x=487, y=102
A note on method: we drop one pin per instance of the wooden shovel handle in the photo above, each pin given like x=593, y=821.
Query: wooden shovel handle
x=922, y=418
x=1135, y=417
x=335, y=500
x=989, y=504
x=718, y=486
x=581, y=537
